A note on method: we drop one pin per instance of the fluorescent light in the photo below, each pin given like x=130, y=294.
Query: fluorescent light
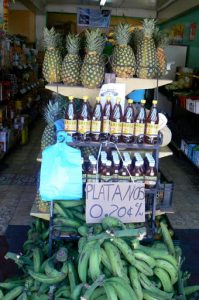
x=102, y=2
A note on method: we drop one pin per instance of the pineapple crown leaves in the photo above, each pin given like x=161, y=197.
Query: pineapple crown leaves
x=55, y=109
x=95, y=40
x=73, y=43
x=161, y=38
x=122, y=33
x=51, y=38
x=148, y=27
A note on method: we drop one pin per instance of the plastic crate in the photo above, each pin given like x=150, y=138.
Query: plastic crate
x=164, y=195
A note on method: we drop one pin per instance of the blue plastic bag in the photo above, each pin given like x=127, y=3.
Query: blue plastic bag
x=61, y=171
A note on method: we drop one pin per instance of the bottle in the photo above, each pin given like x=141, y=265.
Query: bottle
x=83, y=171
x=71, y=118
x=137, y=173
x=150, y=178
x=106, y=119
x=116, y=168
x=140, y=124
x=96, y=122
x=92, y=175
x=107, y=172
x=152, y=121
x=116, y=122
x=128, y=123
x=126, y=155
x=84, y=122
x=123, y=175
x=102, y=165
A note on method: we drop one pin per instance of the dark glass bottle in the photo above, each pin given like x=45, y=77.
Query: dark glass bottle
x=150, y=176
x=116, y=122
x=152, y=121
x=140, y=124
x=84, y=121
x=128, y=123
x=106, y=119
x=71, y=118
x=96, y=122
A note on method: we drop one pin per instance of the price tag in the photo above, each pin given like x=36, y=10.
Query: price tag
x=125, y=201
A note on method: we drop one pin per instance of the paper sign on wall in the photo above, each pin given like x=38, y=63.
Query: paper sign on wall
x=125, y=201
x=113, y=90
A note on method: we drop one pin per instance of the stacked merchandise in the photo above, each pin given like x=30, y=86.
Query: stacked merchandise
x=19, y=90
x=145, y=58
x=108, y=262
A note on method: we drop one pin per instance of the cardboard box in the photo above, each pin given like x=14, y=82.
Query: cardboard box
x=192, y=105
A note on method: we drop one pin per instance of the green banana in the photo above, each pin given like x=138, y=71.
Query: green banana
x=105, y=260
x=165, y=279
x=67, y=222
x=191, y=289
x=97, y=228
x=50, y=269
x=171, y=259
x=64, y=291
x=46, y=279
x=81, y=244
x=84, y=260
x=135, y=283
x=79, y=216
x=110, y=291
x=14, y=293
x=83, y=230
x=11, y=284
x=171, y=270
x=42, y=268
x=72, y=275
x=148, y=250
x=98, y=292
x=114, y=258
x=76, y=293
x=167, y=238
x=143, y=267
x=92, y=288
x=149, y=295
x=71, y=203
x=111, y=222
x=125, y=249
x=122, y=288
x=140, y=255
x=94, y=262
x=23, y=296
x=37, y=258
x=59, y=210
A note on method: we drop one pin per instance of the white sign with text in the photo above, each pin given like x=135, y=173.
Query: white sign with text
x=125, y=201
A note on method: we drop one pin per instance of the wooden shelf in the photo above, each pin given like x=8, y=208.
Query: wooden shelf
x=131, y=84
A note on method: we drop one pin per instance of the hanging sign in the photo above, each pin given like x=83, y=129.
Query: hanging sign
x=125, y=201
x=89, y=17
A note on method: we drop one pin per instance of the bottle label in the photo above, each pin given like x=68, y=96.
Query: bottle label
x=92, y=178
x=151, y=129
x=138, y=179
x=96, y=126
x=116, y=128
x=150, y=180
x=128, y=129
x=106, y=126
x=71, y=126
x=106, y=178
x=84, y=126
x=139, y=129
x=123, y=178
x=115, y=177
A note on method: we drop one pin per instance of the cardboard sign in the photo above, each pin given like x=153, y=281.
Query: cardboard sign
x=125, y=201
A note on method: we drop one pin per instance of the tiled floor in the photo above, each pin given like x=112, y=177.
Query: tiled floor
x=18, y=172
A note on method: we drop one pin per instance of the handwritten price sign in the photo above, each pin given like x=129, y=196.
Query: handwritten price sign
x=125, y=201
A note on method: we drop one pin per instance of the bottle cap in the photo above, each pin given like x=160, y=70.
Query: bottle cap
x=85, y=98
x=91, y=157
x=94, y=161
x=116, y=161
x=118, y=99
x=152, y=164
x=71, y=98
x=130, y=101
x=108, y=98
x=108, y=163
x=104, y=160
x=125, y=163
x=98, y=98
x=137, y=163
x=155, y=102
x=143, y=101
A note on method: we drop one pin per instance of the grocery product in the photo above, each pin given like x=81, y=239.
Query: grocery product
x=128, y=123
x=140, y=124
x=106, y=119
x=71, y=65
x=52, y=63
x=71, y=118
x=137, y=172
x=92, y=72
x=116, y=122
x=123, y=60
x=84, y=120
x=107, y=172
x=96, y=121
x=151, y=127
x=146, y=52
x=150, y=176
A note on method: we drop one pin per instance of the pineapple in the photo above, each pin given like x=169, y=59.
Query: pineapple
x=136, y=39
x=93, y=68
x=52, y=60
x=146, y=52
x=71, y=65
x=123, y=60
x=161, y=41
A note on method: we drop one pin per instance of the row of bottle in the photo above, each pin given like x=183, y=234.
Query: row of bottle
x=109, y=122
x=112, y=169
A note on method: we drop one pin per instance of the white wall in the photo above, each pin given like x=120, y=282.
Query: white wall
x=177, y=8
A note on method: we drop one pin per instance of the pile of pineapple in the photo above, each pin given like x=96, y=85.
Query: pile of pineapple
x=139, y=53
